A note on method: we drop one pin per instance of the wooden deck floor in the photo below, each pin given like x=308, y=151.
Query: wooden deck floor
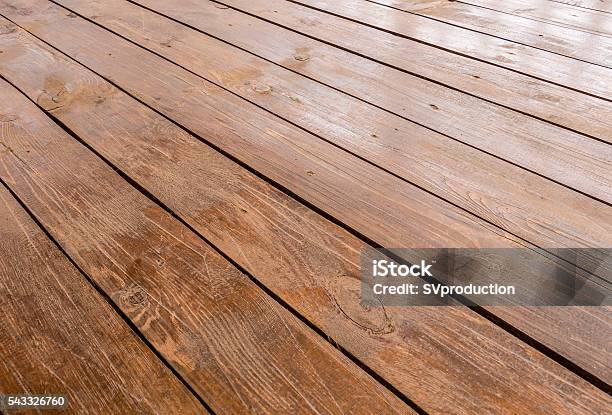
x=186, y=188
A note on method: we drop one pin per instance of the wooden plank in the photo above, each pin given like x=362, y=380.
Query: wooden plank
x=312, y=168
x=572, y=43
x=316, y=277
x=445, y=359
x=591, y=21
x=466, y=177
x=578, y=75
x=236, y=346
x=317, y=166
x=58, y=336
x=600, y=5
x=496, y=130
x=386, y=87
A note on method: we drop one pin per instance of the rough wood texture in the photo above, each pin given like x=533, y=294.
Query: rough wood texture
x=237, y=347
x=342, y=186
x=395, y=91
x=601, y=5
x=318, y=172
x=398, y=92
x=439, y=108
x=57, y=334
x=467, y=362
x=330, y=178
x=527, y=142
x=572, y=43
x=568, y=16
x=442, y=166
x=568, y=72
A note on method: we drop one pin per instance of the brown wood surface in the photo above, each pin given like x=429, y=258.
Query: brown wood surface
x=449, y=360
x=330, y=178
x=533, y=144
x=398, y=92
x=236, y=346
x=581, y=76
x=572, y=43
x=180, y=96
x=473, y=180
x=336, y=182
x=58, y=335
x=591, y=21
x=601, y=5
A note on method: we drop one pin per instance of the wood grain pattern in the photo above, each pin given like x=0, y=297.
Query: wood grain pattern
x=339, y=183
x=572, y=43
x=234, y=344
x=600, y=5
x=315, y=270
x=58, y=336
x=568, y=72
x=322, y=174
x=591, y=21
x=449, y=360
x=396, y=91
x=466, y=177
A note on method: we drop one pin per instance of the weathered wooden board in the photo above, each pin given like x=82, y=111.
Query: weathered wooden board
x=533, y=144
x=236, y=346
x=248, y=249
x=396, y=91
x=572, y=43
x=591, y=21
x=601, y=5
x=315, y=167
x=328, y=177
x=578, y=75
x=59, y=336
x=475, y=181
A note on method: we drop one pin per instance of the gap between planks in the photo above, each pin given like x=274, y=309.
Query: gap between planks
x=118, y=52
x=511, y=56
x=230, y=341
x=563, y=15
x=511, y=28
x=60, y=300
